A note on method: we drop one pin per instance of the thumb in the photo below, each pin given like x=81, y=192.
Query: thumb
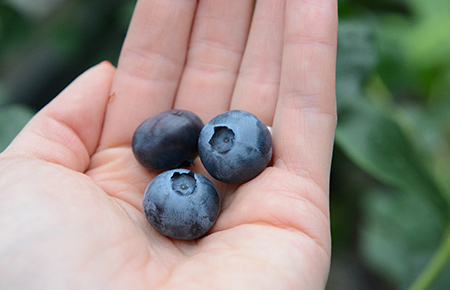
x=68, y=129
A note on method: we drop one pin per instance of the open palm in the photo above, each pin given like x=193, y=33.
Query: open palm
x=71, y=191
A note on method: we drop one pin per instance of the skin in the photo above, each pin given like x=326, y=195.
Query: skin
x=71, y=191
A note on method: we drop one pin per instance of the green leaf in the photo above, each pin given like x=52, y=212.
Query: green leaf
x=429, y=129
x=356, y=58
x=377, y=144
x=414, y=51
x=3, y=94
x=399, y=235
x=435, y=267
x=12, y=120
x=430, y=8
x=426, y=44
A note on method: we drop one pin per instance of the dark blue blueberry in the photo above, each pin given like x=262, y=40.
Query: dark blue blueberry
x=181, y=204
x=167, y=140
x=235, y=146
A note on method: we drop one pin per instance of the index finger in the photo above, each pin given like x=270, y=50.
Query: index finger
x=150, y=66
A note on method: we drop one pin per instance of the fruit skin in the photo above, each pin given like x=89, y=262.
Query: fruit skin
x=235, y=146
x=167, y=140
x=181, y=204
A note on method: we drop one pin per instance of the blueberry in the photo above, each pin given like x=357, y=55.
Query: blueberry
x=235, y=146
x=167, y=140
x=181, y=204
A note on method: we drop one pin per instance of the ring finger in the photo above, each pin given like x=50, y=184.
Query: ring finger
x=259, y=75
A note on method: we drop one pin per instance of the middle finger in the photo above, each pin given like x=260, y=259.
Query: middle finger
x=215, y=50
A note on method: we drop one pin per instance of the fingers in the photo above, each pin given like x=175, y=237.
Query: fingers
x=305, y=117
x=215, y=51
x=150, y=66
x=259, y=75
x=67, y=130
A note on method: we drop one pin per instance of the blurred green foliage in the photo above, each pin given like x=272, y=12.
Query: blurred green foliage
x=394, y=126
x=390, y=181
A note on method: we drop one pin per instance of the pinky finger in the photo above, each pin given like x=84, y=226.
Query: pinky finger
x=305, y=117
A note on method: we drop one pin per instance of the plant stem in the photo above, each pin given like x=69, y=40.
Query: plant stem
x=435, y=266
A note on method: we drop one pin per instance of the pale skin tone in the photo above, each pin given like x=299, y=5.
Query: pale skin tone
x=71, y=191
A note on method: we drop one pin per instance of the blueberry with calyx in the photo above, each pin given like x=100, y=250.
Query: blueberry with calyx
x=181, y=204
x=235, y=146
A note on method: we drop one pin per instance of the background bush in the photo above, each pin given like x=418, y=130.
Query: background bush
x=390, y=181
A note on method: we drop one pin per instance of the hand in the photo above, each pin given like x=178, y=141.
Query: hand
x=71, y=190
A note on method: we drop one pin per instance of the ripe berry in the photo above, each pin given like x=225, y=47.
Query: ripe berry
x=167, y=140
x=235, y=146
x=181, y=204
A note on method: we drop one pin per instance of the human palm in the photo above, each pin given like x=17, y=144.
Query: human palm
x=71, y=190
